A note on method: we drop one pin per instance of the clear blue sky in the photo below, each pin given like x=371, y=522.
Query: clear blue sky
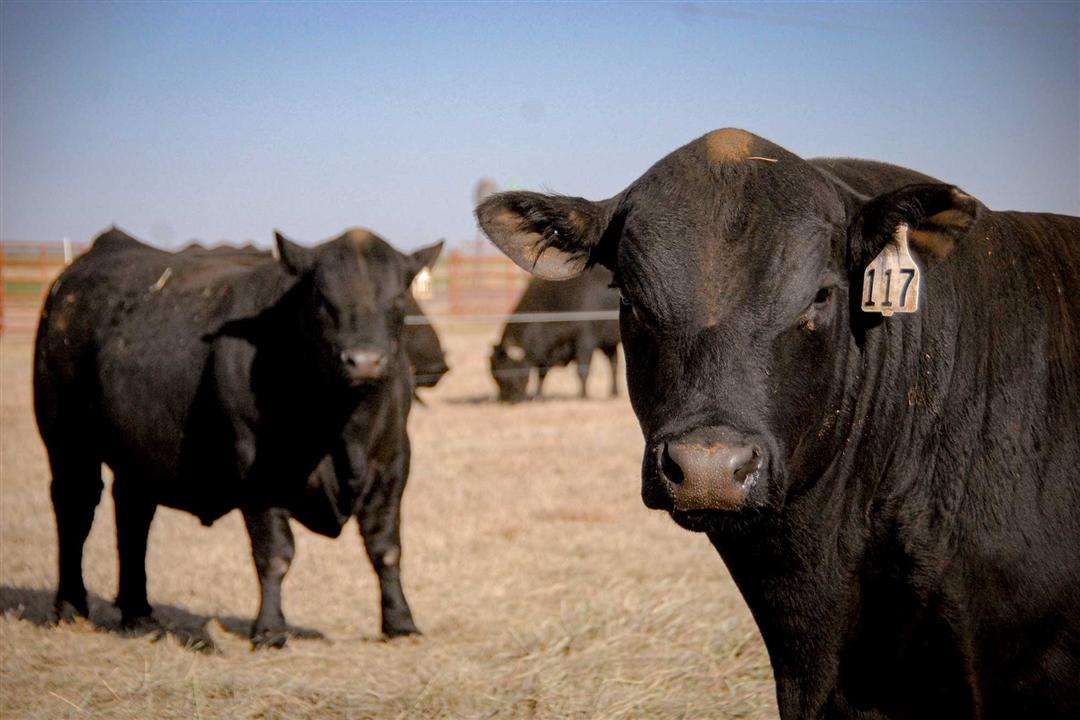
x=180, y=121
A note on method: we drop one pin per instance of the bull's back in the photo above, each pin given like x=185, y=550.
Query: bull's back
x=121, y=350
x=80, y=310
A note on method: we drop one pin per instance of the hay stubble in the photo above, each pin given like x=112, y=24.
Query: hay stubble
x=545, y=589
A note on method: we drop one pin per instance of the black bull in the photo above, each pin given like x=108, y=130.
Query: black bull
x=422, y=345
x=209, y=381
x=897, y=498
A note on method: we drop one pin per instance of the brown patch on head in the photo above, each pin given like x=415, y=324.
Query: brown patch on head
x=729, y=145
x=359, y=237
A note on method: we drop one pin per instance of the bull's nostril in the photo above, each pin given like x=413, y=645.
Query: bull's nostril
x=669, y=467
x=749, y=467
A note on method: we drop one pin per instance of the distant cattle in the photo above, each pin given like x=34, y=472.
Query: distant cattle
x=864, y=386
x=210, y=381
x=540, y=345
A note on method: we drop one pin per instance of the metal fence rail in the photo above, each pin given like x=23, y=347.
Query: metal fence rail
x=535, y=317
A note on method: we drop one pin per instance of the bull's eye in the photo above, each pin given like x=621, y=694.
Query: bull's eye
x=640, y=316
x=328, y=310
x=815, y=312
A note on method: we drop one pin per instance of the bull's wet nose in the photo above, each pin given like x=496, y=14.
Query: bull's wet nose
x=364, y=364
x=703, y=475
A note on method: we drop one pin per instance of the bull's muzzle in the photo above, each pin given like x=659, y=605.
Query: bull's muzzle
x=708, y=470
x=364, y=364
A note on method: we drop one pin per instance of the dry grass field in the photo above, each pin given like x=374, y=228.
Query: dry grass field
x=543, y=586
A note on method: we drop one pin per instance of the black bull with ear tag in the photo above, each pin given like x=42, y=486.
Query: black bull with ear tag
x=279, y=388
x=897, y=498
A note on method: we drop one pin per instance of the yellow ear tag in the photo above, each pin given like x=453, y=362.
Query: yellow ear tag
x=891, y=280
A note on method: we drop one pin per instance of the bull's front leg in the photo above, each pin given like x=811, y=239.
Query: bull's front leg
x=273, y=548
x=380, y=527
x=613, y=359
x=582, y=358
x=541, y=373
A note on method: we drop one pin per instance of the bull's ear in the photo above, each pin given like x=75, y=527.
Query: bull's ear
x=938, y=216
x=423, y=258
x=297, y=259
x=551, y=236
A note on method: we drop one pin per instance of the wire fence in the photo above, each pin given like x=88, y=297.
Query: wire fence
x=464, y=288
x=535, y=317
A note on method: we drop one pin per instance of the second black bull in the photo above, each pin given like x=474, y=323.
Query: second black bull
x=422, y=345
x=209, y=384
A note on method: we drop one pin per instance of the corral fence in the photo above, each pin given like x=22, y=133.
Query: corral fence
x=462, y=284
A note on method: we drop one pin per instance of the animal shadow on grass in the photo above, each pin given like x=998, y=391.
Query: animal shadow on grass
x=480, y=399
x=493, y=399
x=189, y=629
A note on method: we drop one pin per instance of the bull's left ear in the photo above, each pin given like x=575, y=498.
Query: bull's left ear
x=552, y=236
x=423, y=258
x=938, y=216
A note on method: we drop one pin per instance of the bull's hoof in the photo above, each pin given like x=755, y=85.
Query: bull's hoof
x=142, y=623
x=400, y=630
x=68, y=610
x=269, y=639
x=134, y=615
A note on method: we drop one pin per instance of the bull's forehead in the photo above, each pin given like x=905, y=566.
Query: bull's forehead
x=728, y=222
x=371, y=249
x=362, y=263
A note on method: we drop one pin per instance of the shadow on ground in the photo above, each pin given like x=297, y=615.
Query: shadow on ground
x=189, y=629
x=492, y=399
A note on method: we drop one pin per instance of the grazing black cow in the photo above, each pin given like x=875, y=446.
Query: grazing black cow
x=208, y=384
x=528, y=345
x=897, y=497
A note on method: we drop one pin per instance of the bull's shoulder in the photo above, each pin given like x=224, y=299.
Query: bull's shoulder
x=1041, y=241
x=869, y=177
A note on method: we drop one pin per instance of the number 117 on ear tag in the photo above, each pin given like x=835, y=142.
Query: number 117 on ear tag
x=891, y=280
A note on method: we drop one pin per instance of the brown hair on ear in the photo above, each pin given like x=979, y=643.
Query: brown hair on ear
x=938, y=215
x=551, y=236
x=938, y=234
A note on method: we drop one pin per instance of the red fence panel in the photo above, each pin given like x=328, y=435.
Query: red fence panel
x=462, y=283
x=27, y=270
